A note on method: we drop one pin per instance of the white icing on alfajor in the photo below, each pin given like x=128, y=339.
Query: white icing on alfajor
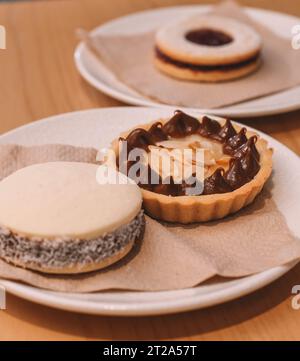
x=64, y=199
x=171, y=40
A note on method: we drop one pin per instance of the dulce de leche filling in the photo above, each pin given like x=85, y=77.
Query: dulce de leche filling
x=205, y=68
x=242, y=154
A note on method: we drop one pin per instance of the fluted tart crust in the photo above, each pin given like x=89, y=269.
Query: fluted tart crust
x=230, y=184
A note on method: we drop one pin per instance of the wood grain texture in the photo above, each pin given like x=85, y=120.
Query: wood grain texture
x=38, y=79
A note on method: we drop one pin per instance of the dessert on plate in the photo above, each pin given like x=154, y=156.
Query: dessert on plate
x=56, y=218
x=208, y=48
x=234, y=167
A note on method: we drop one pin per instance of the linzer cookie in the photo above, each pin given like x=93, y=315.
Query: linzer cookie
x=57, y=218
x=235, y=165
x=207, y=48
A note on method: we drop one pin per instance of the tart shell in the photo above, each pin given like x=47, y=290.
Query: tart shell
x=203, y=208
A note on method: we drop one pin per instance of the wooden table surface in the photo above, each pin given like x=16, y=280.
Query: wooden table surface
x=38, y=79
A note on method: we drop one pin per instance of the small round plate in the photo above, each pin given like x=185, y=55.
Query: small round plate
x=96, y=128
x=99, y=76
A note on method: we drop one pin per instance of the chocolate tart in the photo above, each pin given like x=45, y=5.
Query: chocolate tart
x=233, y=178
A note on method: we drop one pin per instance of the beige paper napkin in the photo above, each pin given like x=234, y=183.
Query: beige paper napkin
x=131, y=60
x=170, y=256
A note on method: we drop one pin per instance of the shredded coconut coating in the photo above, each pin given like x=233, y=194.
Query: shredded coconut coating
x=65, y=253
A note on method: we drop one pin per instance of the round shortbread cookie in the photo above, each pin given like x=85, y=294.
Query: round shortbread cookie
x=171, y=40
x=56, y=217
x=207, y=48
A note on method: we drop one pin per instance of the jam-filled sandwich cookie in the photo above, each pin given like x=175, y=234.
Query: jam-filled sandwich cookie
x=207, y=48
x=56, y=218
x=236, y=163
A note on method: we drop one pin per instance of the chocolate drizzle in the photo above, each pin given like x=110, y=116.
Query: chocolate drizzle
x=243, y=165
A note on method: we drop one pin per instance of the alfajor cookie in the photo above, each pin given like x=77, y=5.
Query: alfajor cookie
x=58, y=218
x=207, y=48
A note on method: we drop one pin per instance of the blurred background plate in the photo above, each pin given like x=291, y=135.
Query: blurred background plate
x=99, y=76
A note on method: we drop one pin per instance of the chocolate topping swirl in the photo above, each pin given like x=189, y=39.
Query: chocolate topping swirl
x=247, y=147
x=170, y=189
x=243, y=165
x=227, y=131
x=216, y=183
x=157, y=133
x=181, y=125
x=140, y=138
x=235, y=142
x=210, y=128
x=236, y=176
x=250, y=164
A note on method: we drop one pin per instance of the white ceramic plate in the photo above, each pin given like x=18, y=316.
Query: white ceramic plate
x=104, y=80
x=96, y=128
